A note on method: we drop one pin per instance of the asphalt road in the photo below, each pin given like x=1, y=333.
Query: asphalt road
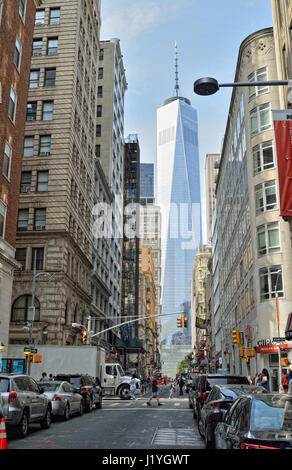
x=121, y=424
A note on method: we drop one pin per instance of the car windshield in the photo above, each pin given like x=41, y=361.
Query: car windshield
x=4, y=385
x=75, y=381
x=49, y=386
x=272, y=414
x=235, y=392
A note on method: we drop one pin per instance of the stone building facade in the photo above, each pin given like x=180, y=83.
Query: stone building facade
x=252, y=251
x=58, y=173
x=16, y=34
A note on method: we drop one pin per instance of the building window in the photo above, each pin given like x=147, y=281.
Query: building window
x=55, y=16
x=2, y=218
x=20, y=309
x=1, y=8
x=7, y=160
x=99, y=111
x=22, y=221
x=101, y=54
x=39, y=17
x=266, y=197
x=98, y=130
x=263, y=157
x=37, y=46
x=12, y=105
x=20, y=256
x=34, y=80
x=99, y=92
x=271, y=280
x=260, y=119
x=31, y=111
x=48, y=110
x=100, y=73
x=28, y=149
x=50, y=77
x=25, y=182
x=260, y=75
x=42, y=181
x=97, y=151
x=52, y=46
x=39, y=219
x=45, y=145
x=268, y=237
x=37, y=259
x=17, y=53
x=22, y=8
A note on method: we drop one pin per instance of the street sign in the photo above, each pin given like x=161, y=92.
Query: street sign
x=279, y=340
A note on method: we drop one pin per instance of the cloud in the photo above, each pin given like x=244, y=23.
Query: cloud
x=127, y=19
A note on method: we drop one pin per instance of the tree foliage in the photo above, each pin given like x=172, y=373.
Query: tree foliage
x=185, y=364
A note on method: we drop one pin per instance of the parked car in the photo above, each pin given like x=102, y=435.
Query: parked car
x=220, y=400
x=258, y=421
x=203, y=383
x=189, y=380
x=64, y=399
x=23, y=403
x=86, y=387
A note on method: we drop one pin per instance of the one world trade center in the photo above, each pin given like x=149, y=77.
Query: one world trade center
x=179, y=197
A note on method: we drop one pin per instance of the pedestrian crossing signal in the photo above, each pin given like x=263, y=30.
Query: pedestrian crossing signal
x=179, y=322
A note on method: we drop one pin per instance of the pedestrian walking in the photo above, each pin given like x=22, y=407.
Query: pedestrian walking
x=285, y=382
x=133, y=386
x=44, y=377
x=155, y=389
x=290, y=387
x=181, y=384
x=172, y=390
x=266, y=380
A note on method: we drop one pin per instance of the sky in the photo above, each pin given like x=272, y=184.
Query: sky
x=208, y=34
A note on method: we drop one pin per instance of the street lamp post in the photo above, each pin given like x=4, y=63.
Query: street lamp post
x=31, y=309
x=208, y=86
x=280, y=385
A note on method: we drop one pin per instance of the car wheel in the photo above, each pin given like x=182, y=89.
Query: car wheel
x=23, y=427
x=200, y=427
x=89, y=406
x=81, y=409
x=209, y=444
x=99, y=404
x=46, y=421
x=66, y=414
x=125, y=393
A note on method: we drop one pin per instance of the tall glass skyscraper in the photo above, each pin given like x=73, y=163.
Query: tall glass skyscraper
x=179, y=197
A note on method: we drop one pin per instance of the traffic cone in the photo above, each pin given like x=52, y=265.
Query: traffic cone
x=3, y=438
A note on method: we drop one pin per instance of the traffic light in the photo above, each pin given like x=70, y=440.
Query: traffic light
x=185, y=322
x=179, y=322
x=236, y=337
x=84, y=336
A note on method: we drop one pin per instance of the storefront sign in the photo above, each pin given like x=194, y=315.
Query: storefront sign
x=272, y=348
x=283, y=136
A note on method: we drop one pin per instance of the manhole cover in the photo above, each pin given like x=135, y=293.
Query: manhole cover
x=176, y=437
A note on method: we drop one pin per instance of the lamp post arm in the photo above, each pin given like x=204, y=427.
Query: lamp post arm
x=250, y=84
x=132, y=321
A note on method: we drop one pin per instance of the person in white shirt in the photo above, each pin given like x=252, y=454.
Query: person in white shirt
x=133, y=387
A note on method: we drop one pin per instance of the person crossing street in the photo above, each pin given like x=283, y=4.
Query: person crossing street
x=155, y=389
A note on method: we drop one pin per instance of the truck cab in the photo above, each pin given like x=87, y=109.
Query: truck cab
x=114, y=381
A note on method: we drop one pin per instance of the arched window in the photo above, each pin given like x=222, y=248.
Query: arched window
x=20, y=309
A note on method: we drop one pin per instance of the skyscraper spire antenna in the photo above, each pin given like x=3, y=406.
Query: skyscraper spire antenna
x=176, y=87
